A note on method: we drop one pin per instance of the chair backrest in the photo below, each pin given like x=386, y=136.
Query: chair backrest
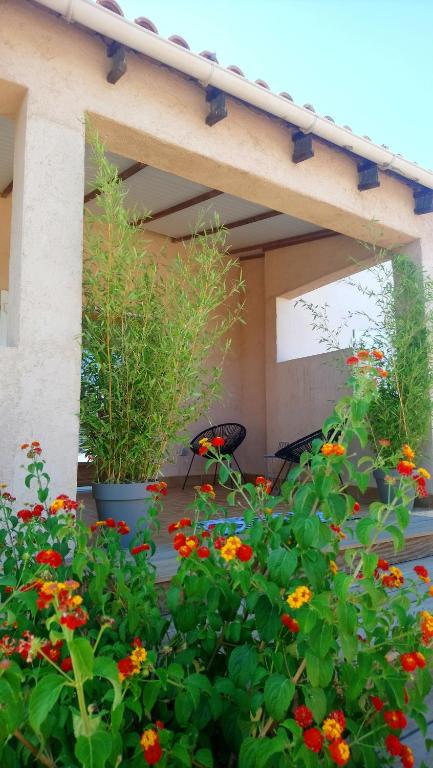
x=293, y=451
x=233, y=434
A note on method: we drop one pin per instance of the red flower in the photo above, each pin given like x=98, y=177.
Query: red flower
x=378, y=704
x=420, y=658
x=66, y=664
x=122, y=528
x=50, y=650
x=244, y=553
x=339, y=752
x=203, y=449
x=179, y=541
x=159, y=724
x=290, y=623
x=37, y=510
x=184, y=550
x=405, y=467
x=377, y=354
x=152, y=755
x=408, y=661
x=406, y=756
x=303, y=716
x=395, y=718
x=136, y=642
x=203, y=552
x=205, y=535
x=422, y=573
x=126, y=667
x=110, y=522
x=140, y=548
x=262, y=482
x=393, y=745
x=49, y=557
x=383, y=565
x=25, y=515
x=356, y=506
x=313, y=739
x=219, y=542
x=184, y=522
x=217, y=442
x=74, y=620
x=352, y=360
x=338, y=715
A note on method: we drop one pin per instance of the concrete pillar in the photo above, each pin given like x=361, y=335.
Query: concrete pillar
x=45, y=294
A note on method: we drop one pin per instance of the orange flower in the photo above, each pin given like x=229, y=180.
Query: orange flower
x=352, y=360
x=382, y=373
x=363, y=354
x=339, y=752
x=332, y=729
x=407, y=451
x=384, y=442
x=377, y=354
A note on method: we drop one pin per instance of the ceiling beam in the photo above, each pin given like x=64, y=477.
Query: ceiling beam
x=285, y=242
x=7, y=190
x=126, y=174
x=180, y=206
x=233, y=224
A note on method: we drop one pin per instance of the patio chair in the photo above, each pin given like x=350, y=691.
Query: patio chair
x=233, y=434
x=291, y=452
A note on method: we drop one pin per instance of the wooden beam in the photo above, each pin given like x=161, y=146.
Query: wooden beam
x=180, y=206
x=302, y=146
x=368, y=175
x=234, y=224
x=7, y=190
x=126, y=174
x=285, y=242
x=252, y=257
x=423, y=198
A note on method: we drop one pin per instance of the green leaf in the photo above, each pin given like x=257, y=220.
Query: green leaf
x=107, y=668
x=282, y=564
x=204, y=757
x=315, y=699
x=319, y=671
x=242, y=664
x=181, y=754
x=43, y=698
x=279, y=692
x=43, y=494
x=11, y=708
x=396, y=535
x=82, y=657
x=365, y=529
x=268, y=620
x=270, y=747
x=93, y=751
x=248, y=752
x=151, y=689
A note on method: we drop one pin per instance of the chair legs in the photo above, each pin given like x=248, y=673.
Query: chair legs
x=189, y=470
x=278, y=476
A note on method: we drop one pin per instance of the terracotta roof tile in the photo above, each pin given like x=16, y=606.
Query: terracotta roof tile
x=142, y=21
x=179, y=41
x=235, y=69
x=110, y=5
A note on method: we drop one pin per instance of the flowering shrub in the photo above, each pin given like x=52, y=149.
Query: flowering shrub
x=273, y=648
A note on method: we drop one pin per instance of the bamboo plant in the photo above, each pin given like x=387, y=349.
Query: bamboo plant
x=150, y=324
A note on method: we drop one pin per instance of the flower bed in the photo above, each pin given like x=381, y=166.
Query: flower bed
x=262, y=652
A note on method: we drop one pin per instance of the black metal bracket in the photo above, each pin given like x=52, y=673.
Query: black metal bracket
x=302, y=146
x=368, y=175
x=217, y=105
x=423, y=200
x=117, y=53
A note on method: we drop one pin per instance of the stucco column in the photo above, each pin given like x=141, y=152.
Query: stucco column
x=45, y=290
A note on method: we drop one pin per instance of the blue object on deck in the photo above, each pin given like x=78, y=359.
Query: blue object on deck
x=240, y=523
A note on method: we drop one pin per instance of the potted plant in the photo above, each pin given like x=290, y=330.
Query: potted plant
x=149, y=326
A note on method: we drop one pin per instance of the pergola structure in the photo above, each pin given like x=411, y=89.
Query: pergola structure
x=191, y=139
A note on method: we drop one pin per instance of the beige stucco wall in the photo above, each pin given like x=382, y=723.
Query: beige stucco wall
x=157, y=116
x=5, y=227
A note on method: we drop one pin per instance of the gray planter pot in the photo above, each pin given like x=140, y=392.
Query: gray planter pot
x=123, y=501
x=385, y=490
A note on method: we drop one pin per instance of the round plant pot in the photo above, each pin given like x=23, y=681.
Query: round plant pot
x=386, y=490
x=122, y=501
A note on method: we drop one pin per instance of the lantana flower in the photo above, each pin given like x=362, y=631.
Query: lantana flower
x=299, y=597
x=49, y=557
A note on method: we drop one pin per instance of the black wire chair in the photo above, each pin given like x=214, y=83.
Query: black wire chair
x=233, y=434
x=291, y=453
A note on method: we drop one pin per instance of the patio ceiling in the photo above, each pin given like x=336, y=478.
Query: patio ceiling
x=178, y=206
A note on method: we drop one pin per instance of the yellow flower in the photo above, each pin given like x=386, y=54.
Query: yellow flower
x=300, y=596
x=430, y=591
x=332, y=728
x=423, y=472
x=333, y=566
x=76, y=600
x=408, y=453
x=138, y=656
x=149, y=738
x=57, y=504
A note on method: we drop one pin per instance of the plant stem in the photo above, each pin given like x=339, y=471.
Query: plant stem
x=38, y=755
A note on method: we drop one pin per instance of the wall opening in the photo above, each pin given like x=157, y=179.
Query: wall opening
x=7, y=130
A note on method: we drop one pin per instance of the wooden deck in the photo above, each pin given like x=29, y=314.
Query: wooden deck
x=418, y=549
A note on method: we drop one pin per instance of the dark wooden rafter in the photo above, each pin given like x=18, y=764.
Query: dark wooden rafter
x=117, y=53
x=233, y=224
x=285, y=242
x=302, y=146
x=368, y=175
x=423, y=198
x=217, y=105
x=7, y=190
x=126, y=174
x=180, y=206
